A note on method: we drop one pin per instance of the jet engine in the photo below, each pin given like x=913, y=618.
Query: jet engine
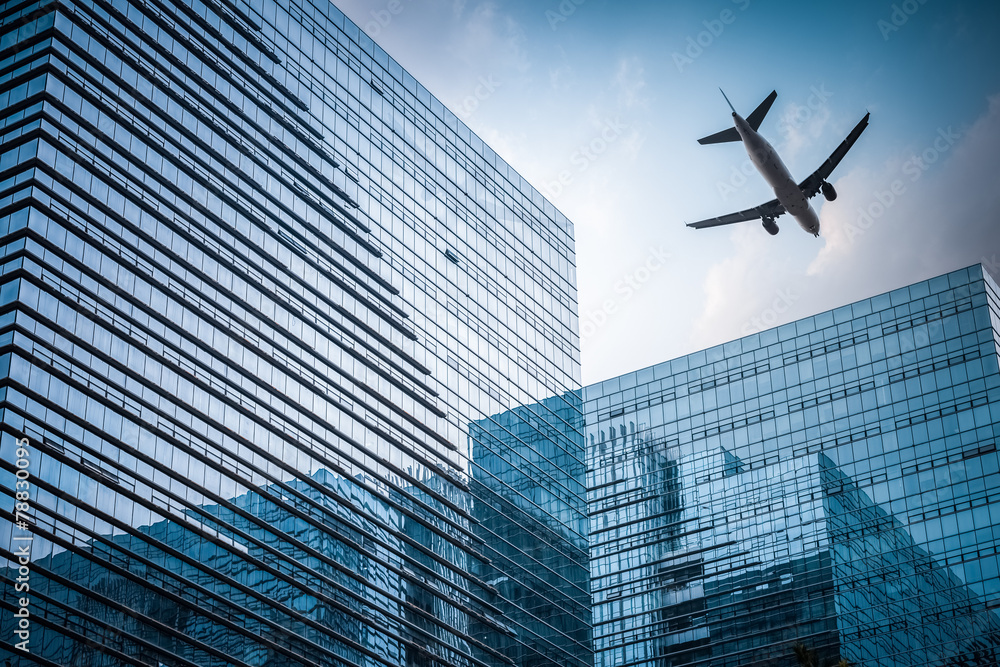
x=771, y=226
x=828, y=191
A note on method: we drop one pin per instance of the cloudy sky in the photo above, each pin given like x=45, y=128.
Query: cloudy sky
x=599, y=104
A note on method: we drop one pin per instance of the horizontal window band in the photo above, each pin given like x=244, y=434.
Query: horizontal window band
x=186, y=132
x=217, y=191
x=112, y=361
x=76, y=551
x=632, y=537
x=84, y=640
x=249, y=35
x=243, y=482
x=826, y=348
x=328, y=463
x=148, y=333
x=928, y=316
x=152, y=211
x=733, y=424
x=291, y=120
x=259, y=565
x=267, y=456
x=931, y=366
x=729, y=377
x=828, y=397
x=107, y=601
x=279, y=501
x=174, y=82
x=277, y=556
x=947, y=409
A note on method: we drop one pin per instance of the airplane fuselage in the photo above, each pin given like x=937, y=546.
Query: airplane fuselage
x=766, y=160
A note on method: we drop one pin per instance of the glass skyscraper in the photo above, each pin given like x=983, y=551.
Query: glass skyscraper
x=290, y=355
x=827, y=490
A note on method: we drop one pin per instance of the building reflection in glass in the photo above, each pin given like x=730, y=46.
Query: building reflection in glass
x=832, y=485
x=530, y=510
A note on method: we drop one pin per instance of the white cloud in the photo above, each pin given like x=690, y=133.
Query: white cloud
x=930, y=210
x=486, y=39
x=630, y=80
x=802, y=125
x=749, y=291
x=473, y=41
x=558, y=78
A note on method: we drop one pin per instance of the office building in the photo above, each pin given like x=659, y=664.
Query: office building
x=538, y=554
x=267, y=310
x=827, y=490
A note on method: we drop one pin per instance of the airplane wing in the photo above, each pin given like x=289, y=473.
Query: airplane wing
x=771, y=209
x=812, y=184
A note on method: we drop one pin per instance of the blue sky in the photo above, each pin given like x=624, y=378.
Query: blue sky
x=599, y=104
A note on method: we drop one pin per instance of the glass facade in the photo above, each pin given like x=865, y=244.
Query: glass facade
x=267, y=310
x=827, y=490
x=528, y=484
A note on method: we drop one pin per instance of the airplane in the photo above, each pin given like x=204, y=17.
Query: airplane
x=790, y=197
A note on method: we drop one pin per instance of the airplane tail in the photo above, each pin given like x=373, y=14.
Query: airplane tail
x=753, y=120
x=757, y=117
